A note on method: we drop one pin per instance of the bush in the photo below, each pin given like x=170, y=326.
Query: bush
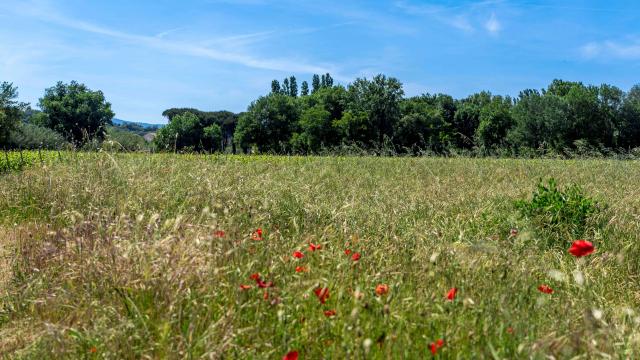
x=559, y=214
x=30, y=136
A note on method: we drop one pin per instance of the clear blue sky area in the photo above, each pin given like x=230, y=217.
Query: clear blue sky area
x=150, y=55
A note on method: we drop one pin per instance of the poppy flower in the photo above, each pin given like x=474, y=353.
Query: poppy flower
x=545, y=289
x=291, y=355
x=436, y=345
x=300, y=269
x=355, y=256
x=451, y=294
x=298, y=254
x=257, y=235
x=581, y=248
x=347, y=252
x=245, y=287
x=314, y=247
x=265, y=295
x=255, y=277
x=93, y=350
x=264, y=285
x=322, y=294
x=382, y=289
x=219, y=234
x=513, y=233
x=330, y=313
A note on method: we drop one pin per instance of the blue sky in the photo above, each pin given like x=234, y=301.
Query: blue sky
x=150, y=55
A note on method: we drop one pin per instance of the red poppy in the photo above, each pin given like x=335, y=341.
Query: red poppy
x=301, y=269
x=219, y=234
x=265, y=295
x=581, y=248
x=257, y=235
x=291, y=355
x=322, y=294
x=298, y=254
x=436, y=345
x=255, y=276
x=545, y=289
x=330, y=313
x=245, y=287
x=382, y=289
x=451, y=294
x=347, y=252
x=264, y=285
x=93, y=350
x=355, y=256
x=314, y=247
x=509, y=330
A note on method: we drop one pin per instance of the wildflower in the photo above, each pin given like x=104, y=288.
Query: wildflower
x=382, y=289
x=436, y=345
x=314, y=247
x=245, y=287
x=291, y=355
x=330, y=313
x=545, y=289
x=264, y=285
x=355, y=256
x=300, y=269
x=219, y=234
x=513, y=233
x=257, y=235
x=255, y=277
x=509, y=330
x=298, y=254
x=451, y=294
x=93, y=350
x=265, y=295
x=322, y=294
x=581, y=248
x=347, y=252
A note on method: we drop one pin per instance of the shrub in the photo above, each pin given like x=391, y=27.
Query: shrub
x=29, y=136
x=559, y=214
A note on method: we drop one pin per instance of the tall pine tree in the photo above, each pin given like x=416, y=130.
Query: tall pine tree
x=315, y=83
x=275, y=87
x=293, y=86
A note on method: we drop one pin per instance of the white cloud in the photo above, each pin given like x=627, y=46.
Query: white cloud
x=462, y=17
x=40, y=11
x=629, y=50
x=493, y=25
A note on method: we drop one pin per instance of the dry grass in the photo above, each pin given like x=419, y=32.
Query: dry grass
x=115, y=256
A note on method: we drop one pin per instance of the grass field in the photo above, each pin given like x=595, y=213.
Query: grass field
x=143, y=256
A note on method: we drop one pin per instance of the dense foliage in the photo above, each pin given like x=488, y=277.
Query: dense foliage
x=374, y=114
x=371, y=115
x=75, y=111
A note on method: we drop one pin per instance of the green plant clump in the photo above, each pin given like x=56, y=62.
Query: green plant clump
x=560, y=215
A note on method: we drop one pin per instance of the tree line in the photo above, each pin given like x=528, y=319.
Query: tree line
x=370, y=114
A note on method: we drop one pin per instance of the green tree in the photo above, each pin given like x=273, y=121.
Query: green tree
x=183, y=132
x=286, y=88
x=10, y=111
x=275, y=87
x=315, y=83
x=379, y=99
x=76, y=112
x=268, y=124
x=630, y=124
x=293, y=86
x=213, y=135
x=495, y=123
x=304, y=89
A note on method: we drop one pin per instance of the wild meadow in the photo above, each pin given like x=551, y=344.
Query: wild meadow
x=129, y=256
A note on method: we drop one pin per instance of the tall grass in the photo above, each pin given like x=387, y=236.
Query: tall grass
x=120, y=256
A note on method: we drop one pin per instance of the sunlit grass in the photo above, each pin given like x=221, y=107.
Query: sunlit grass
x=120, y=256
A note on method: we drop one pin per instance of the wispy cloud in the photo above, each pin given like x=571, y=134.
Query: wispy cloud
x=493, y=25
x=40, y=11
x=629, y=50
x=462, y=17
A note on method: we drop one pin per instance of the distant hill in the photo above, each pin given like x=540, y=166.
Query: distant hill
x=120, y=122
